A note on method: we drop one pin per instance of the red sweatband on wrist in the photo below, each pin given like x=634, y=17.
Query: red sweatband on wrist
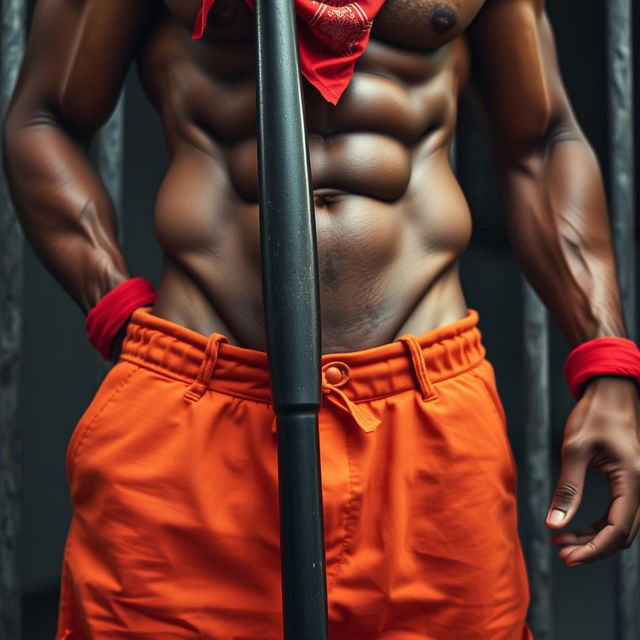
x=601, y=356
x=113, y=310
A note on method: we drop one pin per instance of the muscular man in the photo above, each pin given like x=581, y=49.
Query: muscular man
x=419, y=512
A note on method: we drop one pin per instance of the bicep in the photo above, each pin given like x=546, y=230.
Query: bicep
x=516, y=76
x=75, y=61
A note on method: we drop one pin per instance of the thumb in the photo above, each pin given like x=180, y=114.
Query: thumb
x=568, y=493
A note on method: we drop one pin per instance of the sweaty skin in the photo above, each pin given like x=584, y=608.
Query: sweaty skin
x=392, y=221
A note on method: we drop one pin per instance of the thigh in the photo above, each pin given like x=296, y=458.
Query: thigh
x=175, y=531
x=433, y=548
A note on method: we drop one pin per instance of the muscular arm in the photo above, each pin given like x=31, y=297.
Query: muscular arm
x=555, y=204
x=75, y=63
x=559, y=228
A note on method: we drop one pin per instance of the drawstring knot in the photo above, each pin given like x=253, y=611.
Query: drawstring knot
x=334, y=375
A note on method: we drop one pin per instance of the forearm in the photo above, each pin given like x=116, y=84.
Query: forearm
x=558, y=225
x=63, y=206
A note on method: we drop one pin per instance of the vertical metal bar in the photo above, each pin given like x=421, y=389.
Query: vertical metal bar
x=538, y=459
x=621, y=197
x=109, y=164
x=11, y=241
x=291, y=297
x=110, y=158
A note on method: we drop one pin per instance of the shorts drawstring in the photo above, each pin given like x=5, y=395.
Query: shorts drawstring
x=334, y=375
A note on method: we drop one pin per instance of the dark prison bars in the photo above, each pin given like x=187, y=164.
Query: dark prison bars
x=621, y=199
x=12, y=40
x=538, y=458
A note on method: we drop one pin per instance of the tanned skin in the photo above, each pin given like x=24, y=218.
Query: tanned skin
x=392, y=221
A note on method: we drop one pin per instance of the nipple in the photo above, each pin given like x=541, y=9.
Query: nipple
x=443, y=17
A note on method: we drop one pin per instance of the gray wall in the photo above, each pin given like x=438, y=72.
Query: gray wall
x=59, y=376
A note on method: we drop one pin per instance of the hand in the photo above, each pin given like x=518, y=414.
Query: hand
x=602, y=432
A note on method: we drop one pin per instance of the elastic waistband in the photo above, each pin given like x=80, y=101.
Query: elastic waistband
x=212, y=363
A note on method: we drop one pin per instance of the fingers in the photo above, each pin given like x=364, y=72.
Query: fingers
x=585, y=534
x=570, y=487
x=582, y=535
x=616, y=534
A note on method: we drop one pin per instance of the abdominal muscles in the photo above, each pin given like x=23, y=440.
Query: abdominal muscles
x=377, y=258
x=390, y=215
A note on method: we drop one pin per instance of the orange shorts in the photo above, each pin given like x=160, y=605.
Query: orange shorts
x=174, y=480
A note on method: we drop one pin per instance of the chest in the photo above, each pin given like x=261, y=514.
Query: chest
x=415, y=24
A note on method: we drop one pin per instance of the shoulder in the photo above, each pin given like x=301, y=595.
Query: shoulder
x=77, y=55
x=515, y=68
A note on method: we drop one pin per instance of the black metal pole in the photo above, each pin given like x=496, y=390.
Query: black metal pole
x=13, y=29
x=538, y=460
x=292, y=317
x=621, y=198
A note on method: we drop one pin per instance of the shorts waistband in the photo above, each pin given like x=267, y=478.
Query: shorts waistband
x=409, y=362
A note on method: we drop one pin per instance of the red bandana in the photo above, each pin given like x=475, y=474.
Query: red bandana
x=332, y=35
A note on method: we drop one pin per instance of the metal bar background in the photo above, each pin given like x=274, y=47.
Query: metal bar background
x=12, y=47
x=538, y=458
x=621, y=199
x=110, y=158
x=109, y=164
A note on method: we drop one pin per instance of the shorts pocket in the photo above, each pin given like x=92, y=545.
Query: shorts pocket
x=488, y=379
x=486, y=376
x=113, y=383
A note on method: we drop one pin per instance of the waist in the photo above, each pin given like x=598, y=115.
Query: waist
x=177, y=352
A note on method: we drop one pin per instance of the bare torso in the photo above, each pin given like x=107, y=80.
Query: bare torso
x=391, y=218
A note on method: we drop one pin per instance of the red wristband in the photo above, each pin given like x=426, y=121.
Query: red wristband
x=113, y=310
x=601, y=356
